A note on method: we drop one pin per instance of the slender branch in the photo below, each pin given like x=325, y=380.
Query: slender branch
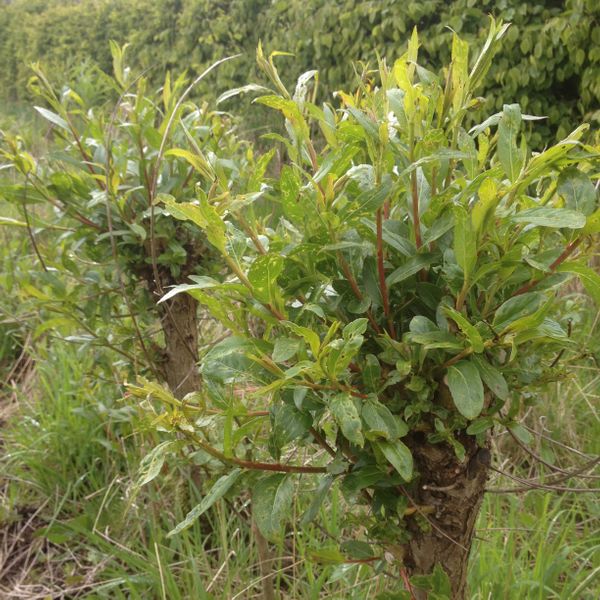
x=28, y=224
x=322, y=442
x=248, y=464
x=69, y=210
x=356, y=290
x=333, y=388
x=531, y=485
x=381, y=271
x=86, y=157
x=464, y=353
x=242, y=277
x=415, y=209
x=255, y=240
x=407, y=584
x=550, y=465
x=556, y=442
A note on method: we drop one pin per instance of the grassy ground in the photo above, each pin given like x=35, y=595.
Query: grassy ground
x=72, y=527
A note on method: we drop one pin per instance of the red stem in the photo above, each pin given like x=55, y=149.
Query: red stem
x=571, y=247
x=415, y=210
x=381, y=271
x=356, y=290
x=248, y=464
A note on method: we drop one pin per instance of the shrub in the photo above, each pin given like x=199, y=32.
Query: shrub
x=404, y=274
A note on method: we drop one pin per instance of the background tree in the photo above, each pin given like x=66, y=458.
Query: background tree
x=106, y=250
x=549, y=61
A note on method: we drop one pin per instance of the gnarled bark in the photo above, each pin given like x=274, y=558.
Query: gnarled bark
x=456, y=491
x=180, y=328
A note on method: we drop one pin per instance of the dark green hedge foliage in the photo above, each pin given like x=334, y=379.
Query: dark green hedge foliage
x=549, y=63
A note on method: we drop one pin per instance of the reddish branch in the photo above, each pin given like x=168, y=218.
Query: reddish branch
x=356, y=290
x=415, y=209
x=571, y=247
x=381, y=271
x=248, y=464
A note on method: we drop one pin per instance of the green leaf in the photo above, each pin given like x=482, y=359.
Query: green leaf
x=152, y=463
x=491, y=377
x=311, y=338
x=399, y=456
x=520, y=433
x=357, y=549
x=263, y=275
x=480, y=425
x=592, y=224
x=290, y=111
x=437, y=583
x=484, y=208
x=198, y=161
x=467, y=328
x=439, y=227
x=588, y=277
x=354, y=328
x=202, y=214
x=460, y=73
x=379, y=420
x=345, y=413
x=317, y=500
x=551, y=217
x=466, y=388
x=577, y=190
x=436, y=339
x=290, y=198
x=328, y=555
x=391, y=237
x=508, y=150
x=290, y=424
x=465, y=242
x=53, y=118
x=218, y=490
x=516, y=308
x=285, y=348
x=271, y=503
x=411, y=267
x=371, y=373
x=251, y=87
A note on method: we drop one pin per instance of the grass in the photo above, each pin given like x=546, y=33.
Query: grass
x=70, y=526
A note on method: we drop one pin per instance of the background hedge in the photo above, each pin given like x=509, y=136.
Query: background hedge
x=549, y=63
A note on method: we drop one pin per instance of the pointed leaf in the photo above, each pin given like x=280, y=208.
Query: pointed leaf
x=577, y=190
x=551, y=217
x=271, y=503
x=318, y=497
x=491, y=377
x=218, y=490
x=53, y=118
x=508, y=150
x=399, y=456
x=465, y=242
x=263, y=275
